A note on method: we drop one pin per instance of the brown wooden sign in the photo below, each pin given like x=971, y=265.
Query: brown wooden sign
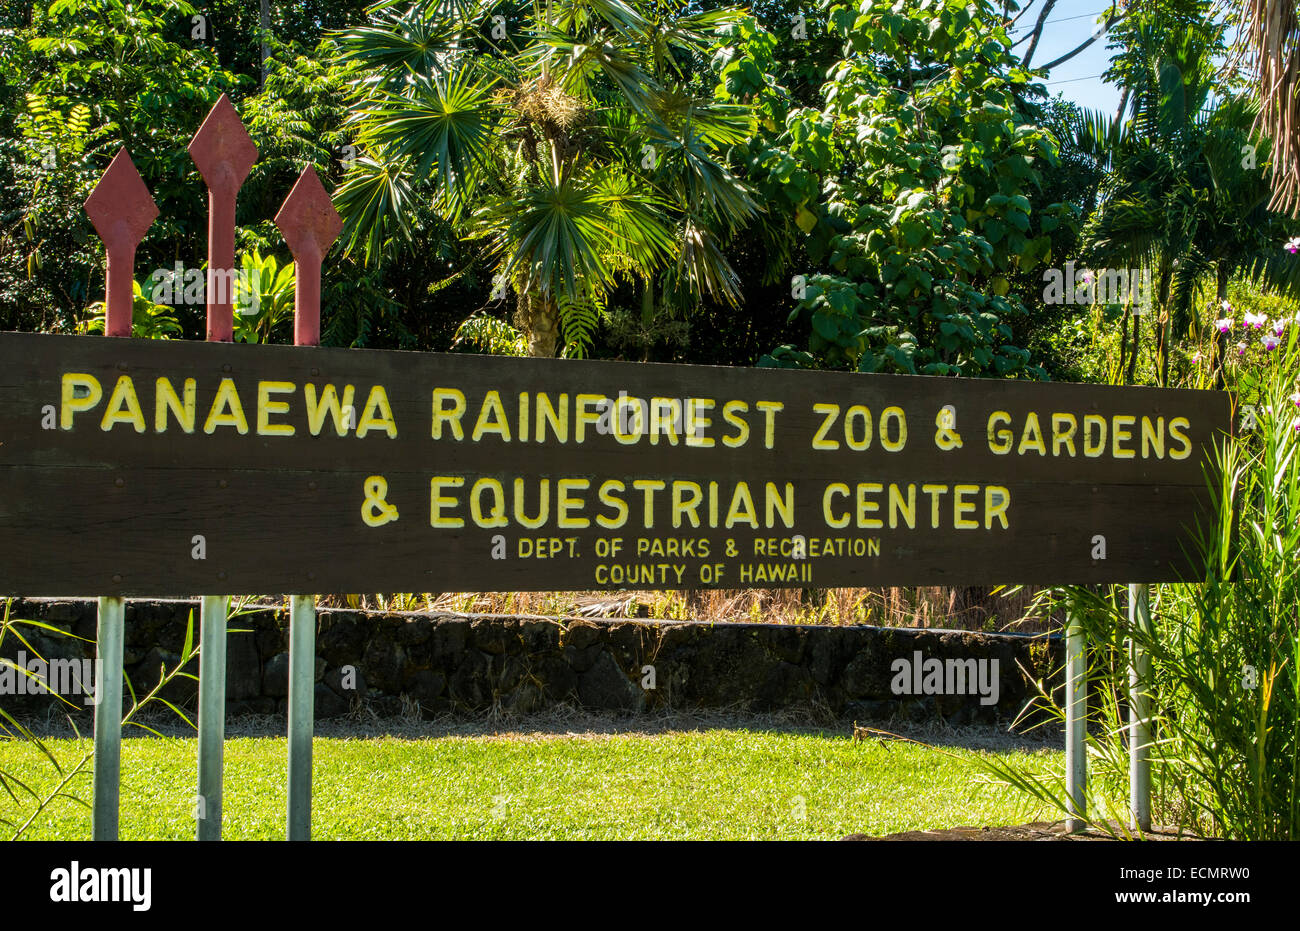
x=133, y=467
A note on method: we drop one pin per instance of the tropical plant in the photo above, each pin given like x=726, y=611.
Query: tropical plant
x=571, y=138
x=263, y=297
x=149, y=319
x=1185, y=192
x=14, y=730
x=1224, y=646
x=915, y=183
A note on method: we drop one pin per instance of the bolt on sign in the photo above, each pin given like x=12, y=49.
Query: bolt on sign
x=138, y=467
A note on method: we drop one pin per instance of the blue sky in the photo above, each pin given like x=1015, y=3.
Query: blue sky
x=1079, y=79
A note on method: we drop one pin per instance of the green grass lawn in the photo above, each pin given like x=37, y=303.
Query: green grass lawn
x=712, y=784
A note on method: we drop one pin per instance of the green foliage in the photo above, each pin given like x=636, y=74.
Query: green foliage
x=913, y=183
x=149, y=320
x=27, y=784
x=1224, y=647
x=481, y=332
x=263, y=298
x=573, y=142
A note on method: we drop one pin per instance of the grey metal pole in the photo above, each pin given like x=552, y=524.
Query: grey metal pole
x=302, y=685
x=212, y=714
x=1139, y=709
x=108, y=718
x=1076, y=707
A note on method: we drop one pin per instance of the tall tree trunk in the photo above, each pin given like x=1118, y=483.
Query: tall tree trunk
x=1166, y=323
x=1137, y=345
x=647, y=316
x=1123, y=340
x=539, y=317
x=1220, y=339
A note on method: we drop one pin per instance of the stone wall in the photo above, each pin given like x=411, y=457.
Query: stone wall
x=473, y=663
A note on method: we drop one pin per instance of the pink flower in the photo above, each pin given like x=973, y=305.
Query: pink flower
x=1256, y=321
x=1241, y=348
x=1196, y=360
x=1224, y=324
x=1293, y=245
x=1269, y=341
x=1279, y=326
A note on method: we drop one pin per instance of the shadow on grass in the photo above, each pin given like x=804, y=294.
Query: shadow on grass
x=566, y=722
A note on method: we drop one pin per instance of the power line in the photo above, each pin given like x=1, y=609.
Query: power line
x=1065, y=19
x=1073, y=80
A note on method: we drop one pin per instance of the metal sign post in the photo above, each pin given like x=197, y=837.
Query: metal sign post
x=309, y=224
x=108, y=719
x=1139, y=617
x=1076, y=713
x=122, y=211
x=224, y=153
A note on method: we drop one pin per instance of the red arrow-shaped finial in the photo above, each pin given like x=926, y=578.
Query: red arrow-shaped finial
x=309, y=224
x=224, y=153
x=122, y=211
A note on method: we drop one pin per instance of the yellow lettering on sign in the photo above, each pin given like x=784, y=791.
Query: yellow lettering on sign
x=897, y=506
x=123, y=407
x=496, y=514
x=779, y=502
x=1120, y=435
x=697, y=423
x=1176, y=428
x=822, y=439
x=1032, y=436
x=859, y=412
x=377, y=415
x=888, y=414
x=1000, y=440
x=649, y=487
x=266, y=407
x=610, y=499
x=543, y=505
x=442, y=414
x=72, y=404
x=328, y=405
x=564, y=504
x=935, y=492
x=729, y=412
x=1062, y=437
x=770, y=410
x=996, y=501
x=1153, y=437
x=961, y=506
x=1090, y=449
x=866, y=506
x=586, y=415
x=835, y=488
x=686, y=507
x=165, y=400
x=742, y=507
x=227, y=411
x=437, y=501
x=498, y=423
x=548, y=415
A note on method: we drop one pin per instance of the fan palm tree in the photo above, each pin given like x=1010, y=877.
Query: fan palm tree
x=573, y=138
